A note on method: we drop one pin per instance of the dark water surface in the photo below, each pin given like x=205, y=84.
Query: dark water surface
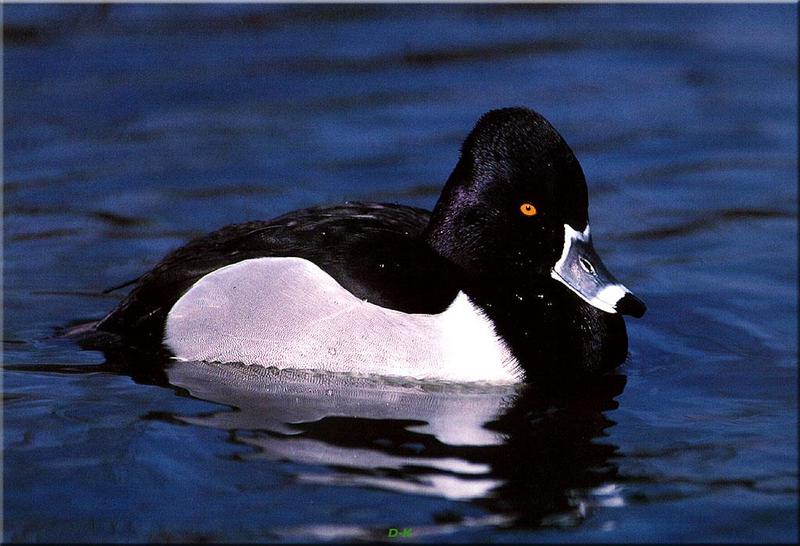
x=129, y=129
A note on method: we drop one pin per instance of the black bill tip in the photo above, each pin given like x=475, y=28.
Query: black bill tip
x=631, y=305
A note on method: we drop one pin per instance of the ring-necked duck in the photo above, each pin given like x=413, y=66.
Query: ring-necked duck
x=500, y=282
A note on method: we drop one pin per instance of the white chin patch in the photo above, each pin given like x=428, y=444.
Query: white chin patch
x=571, y=235
x=607, y=299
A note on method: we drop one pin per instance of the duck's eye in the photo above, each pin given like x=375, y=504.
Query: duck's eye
x=527, y=209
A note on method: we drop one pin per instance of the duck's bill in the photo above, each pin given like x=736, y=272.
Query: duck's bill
x=580, y=269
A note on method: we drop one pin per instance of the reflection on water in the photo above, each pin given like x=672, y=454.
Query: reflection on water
x=524, y=456
x=527, y=455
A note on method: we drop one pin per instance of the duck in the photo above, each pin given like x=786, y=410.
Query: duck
x=500, y=282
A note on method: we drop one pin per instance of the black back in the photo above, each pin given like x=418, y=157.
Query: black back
x=375, y=251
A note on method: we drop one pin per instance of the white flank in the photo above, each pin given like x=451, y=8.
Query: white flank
x=288, y=313
x=470, y=342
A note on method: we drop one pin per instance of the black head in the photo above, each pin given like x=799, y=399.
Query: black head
x=512, y=157
x=515, y=210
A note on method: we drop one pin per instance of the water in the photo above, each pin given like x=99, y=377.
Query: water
x=129, y=129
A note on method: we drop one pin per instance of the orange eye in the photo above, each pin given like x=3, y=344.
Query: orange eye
x=527, y=209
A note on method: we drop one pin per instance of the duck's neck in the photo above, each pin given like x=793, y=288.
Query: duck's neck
x=551, y=331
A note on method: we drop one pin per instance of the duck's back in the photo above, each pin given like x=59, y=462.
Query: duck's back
x=375, y=251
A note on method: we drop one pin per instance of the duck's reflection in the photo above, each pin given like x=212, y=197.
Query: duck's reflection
x=531, y=455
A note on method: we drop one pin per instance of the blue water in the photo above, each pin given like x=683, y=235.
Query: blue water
x=129, y=129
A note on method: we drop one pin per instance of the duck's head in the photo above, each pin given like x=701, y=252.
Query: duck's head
x=515, y=208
